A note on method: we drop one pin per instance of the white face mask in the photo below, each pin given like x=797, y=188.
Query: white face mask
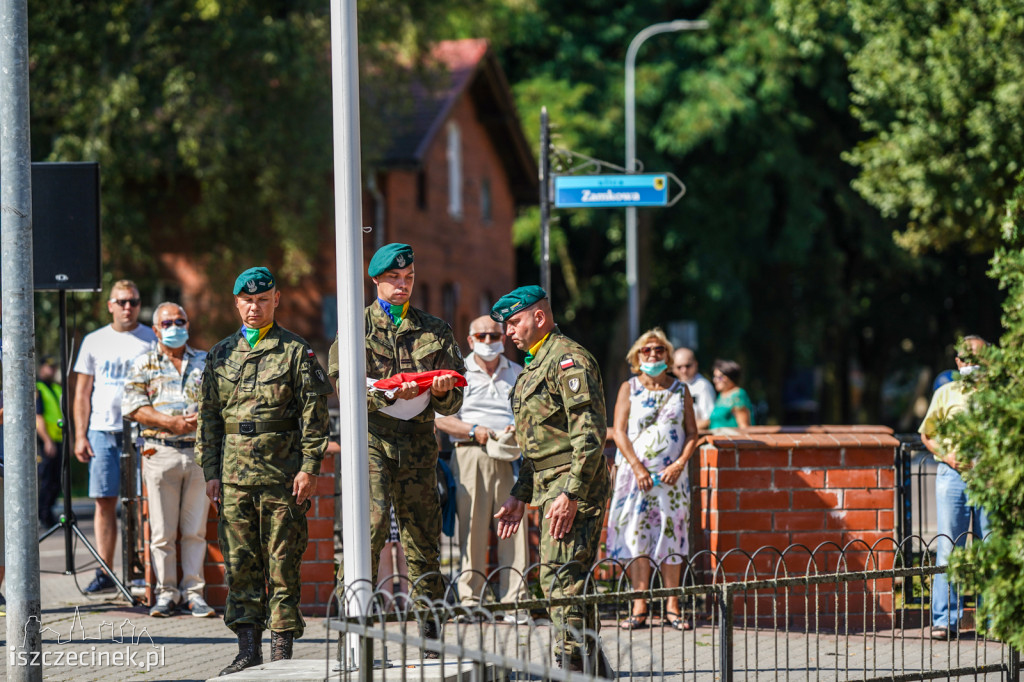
x=488, y=351
x=968, y=369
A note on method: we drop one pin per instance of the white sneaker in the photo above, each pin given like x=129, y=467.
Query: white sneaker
x=198, y=606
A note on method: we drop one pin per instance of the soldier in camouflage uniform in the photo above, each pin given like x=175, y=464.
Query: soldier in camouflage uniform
x=558, y=403
x=263, y=427
x=403, y=452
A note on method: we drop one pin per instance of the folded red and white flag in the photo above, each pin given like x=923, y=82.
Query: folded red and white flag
x=422, y=379
x=407, y=409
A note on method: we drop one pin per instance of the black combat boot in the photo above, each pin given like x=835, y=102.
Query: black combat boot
x=250, y=650
x=428, y=630
x=281, y=645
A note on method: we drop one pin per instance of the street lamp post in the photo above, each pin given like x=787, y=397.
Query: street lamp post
x=631, y=238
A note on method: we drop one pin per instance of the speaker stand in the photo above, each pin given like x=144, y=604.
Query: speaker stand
x=68, y=521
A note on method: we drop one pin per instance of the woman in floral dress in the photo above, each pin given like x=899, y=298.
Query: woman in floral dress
x=656, y=432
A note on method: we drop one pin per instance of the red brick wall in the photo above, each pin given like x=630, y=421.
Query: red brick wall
x=829, y=497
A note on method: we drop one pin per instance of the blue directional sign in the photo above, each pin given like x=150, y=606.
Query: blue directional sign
x=610, y=191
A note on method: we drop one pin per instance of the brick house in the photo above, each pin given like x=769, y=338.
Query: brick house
x=450, y=181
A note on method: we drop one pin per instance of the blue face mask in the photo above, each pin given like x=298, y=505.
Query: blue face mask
x=653, y=369
x=174, y=337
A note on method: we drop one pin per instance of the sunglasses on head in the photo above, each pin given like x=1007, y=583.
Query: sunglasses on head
x=122, y=302
x=488, y=336
x=177, y=322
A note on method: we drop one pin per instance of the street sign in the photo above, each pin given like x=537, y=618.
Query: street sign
x=611, y=191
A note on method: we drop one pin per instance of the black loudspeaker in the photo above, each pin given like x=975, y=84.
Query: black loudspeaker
x=66, y=226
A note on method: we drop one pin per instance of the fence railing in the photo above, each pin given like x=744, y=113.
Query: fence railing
x=827, y=613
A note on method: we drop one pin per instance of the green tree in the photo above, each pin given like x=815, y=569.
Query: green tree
x=211, y=119
x=938, y=90
x=783, y=265
x=990, y=440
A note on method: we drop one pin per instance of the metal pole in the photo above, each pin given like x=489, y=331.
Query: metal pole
x=725, y=638
x=67, y=517
x=631, y=236
x=545, y=203
x=20, y=500
x=354, y=467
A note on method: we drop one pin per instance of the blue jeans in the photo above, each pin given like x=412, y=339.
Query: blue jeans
x=955, y=517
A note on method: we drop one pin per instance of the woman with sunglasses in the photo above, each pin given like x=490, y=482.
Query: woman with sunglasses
x=656, y=432
x=732, y=406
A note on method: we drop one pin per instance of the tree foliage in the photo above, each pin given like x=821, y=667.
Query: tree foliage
x=938, y=88
x=990, y=440
x=783, y=265
x=211, y=119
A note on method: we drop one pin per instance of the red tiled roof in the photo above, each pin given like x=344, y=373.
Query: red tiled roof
x=451, y=69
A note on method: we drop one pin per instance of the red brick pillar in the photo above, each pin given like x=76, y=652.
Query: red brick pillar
x=826, y=493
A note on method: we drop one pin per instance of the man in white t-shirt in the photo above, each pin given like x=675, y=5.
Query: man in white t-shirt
x=104, y=360
x=483, y=482
x=684, y=364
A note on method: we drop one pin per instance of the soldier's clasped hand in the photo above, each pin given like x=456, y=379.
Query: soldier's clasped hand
x=408, y=391
x=442, y=385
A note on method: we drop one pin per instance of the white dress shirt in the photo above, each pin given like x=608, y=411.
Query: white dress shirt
x=485, y=400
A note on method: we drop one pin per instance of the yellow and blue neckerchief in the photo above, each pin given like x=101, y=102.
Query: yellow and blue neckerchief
x=254, y=336
x=530, y=354
x=396, y=313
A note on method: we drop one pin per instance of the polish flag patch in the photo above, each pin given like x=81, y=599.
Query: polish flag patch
x=309, y=353
x=566, y=363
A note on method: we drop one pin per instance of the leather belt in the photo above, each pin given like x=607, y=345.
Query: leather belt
x=169, y=442
x=253, y=428
x=551, y=461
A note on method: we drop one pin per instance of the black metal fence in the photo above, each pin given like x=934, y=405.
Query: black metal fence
x=827, y=613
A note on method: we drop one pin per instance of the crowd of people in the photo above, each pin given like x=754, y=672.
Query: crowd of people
x=245, y=427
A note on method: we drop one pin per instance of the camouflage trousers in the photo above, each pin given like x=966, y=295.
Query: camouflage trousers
x=263, y=535
x=565, y=567
x=413, y=492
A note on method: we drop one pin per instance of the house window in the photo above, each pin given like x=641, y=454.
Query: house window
x=485, y=200
x=423, y=290
x=454, y=170
x=421, y=189
x=449, y=301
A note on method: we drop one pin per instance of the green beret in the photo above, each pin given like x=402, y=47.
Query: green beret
x=254, y=281
x=516, y=300
x=389, y=257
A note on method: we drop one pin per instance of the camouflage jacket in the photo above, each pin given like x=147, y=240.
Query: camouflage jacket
x=558, y=402
x=420, y=344
x=279, y=381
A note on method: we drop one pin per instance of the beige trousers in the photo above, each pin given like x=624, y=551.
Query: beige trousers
x=482, y=486
x=176, y=491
